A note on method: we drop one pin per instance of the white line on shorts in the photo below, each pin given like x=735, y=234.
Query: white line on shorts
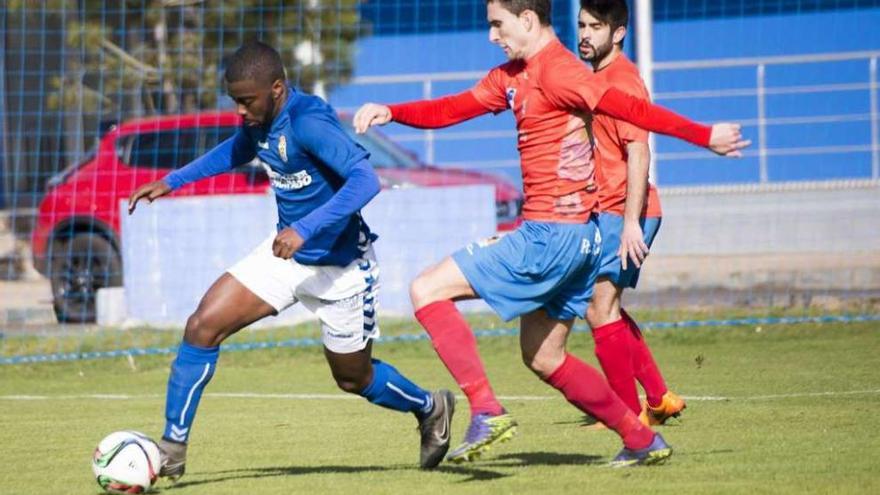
x=254, y=395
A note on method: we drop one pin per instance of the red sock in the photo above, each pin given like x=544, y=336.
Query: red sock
x=644, y=366
x=456, y=345
x=585, y=388
x=615, y=353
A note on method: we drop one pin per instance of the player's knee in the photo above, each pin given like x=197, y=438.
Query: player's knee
x=421, y=290
x=528, y=359
x=542, y=364
x=599, y=313
x=592, y=315
x=199, y=331
x=351, y=384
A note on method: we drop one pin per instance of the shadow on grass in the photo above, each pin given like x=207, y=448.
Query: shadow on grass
x=481, y=471
x=551, y=459
x=697, y=453
x=470, y=473
x=515, y=460
x=268, y=472
x=589, y=422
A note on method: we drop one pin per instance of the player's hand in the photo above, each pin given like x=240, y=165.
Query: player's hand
x=632, y=245
x=726, y=140
x=286, y=243
x=150, y=192
x=371, y=114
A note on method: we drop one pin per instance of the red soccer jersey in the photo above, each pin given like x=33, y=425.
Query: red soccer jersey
x=554, y=141
x=612, y=136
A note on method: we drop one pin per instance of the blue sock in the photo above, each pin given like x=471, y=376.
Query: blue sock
x=190, y=372
x=392, y=390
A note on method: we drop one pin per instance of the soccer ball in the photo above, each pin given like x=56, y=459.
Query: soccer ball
x=126, y=462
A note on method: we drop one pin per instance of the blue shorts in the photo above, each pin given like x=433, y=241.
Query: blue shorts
x=541, y=265
x=611, y=225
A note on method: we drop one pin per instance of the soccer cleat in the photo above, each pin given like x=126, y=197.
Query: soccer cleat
x=655, y=453
x=435, y=430
x=671, y=407
x=173, y=455
x=484, y=431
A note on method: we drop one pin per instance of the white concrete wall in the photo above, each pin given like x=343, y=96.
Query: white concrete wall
x=770, y=220
x=175, y=248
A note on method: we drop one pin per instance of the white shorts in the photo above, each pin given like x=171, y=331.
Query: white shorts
x=343, y=298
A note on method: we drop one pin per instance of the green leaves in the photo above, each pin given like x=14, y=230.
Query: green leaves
x=143, y=57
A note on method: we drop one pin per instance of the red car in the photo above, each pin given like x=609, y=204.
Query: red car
x=76, y=238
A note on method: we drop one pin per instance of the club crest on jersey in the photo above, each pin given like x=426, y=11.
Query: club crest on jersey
x=511, y=95
x=282, y=148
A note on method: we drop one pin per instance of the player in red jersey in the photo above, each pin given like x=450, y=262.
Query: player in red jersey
x=545, y=271
x=629, y=219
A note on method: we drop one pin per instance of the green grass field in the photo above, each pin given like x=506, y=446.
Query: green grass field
x=783, y=409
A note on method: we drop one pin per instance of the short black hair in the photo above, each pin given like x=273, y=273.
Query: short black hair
x=615, y=13
x=517, y=7
x=255, y=61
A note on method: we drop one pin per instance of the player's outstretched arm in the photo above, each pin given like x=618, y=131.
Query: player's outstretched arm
x=422, y=114
x=222, y=158
x=150, y=192
x=235, y=151
x=573, y=86
x=724, y=139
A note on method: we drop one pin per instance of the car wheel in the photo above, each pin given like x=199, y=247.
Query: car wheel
x=81, y=266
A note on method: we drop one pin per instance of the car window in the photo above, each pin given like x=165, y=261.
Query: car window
x=212, y=136
x=383, y=154
x=164, y=149
x=174, y=148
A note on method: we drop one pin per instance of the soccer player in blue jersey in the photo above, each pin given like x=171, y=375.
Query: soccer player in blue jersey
x=320, y=256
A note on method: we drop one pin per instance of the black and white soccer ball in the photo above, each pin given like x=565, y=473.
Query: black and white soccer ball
x=126, y=462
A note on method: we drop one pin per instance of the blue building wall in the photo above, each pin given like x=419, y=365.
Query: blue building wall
x=767, y=36
x=833, y=143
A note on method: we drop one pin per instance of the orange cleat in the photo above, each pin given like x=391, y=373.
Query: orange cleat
x=671, y=407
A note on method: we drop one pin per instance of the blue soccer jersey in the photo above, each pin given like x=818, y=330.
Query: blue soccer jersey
x=321, y=177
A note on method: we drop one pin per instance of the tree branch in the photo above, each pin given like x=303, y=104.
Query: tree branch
x=151, y=73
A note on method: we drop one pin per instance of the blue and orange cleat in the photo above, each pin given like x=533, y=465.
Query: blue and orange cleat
x=671, y=407
x=655, y=453
x=484, y=431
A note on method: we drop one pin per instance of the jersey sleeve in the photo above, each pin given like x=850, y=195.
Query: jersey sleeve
x=322, y=136
x=654, y=118
x=235, y=151
x=361, y=185
x=631, y=84
x=439, y=112
x=491, y=91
